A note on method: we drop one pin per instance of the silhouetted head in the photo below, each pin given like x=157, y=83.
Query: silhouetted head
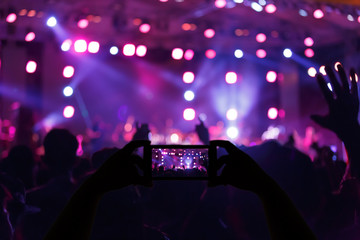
x=60, y=150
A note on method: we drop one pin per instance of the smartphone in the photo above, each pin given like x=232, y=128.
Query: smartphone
x=182, y=162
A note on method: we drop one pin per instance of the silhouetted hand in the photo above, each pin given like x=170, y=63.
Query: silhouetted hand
x=202, y=132
x=120, y=170
x=343, y=103
x=142, y=132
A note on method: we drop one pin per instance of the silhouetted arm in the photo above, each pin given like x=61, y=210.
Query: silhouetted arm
x=241, y=171
x=76, y=220
x=202, y=132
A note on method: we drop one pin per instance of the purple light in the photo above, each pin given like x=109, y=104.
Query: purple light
x=177, y=53
x=271, y=76
x=83, y=23
x=11, y=18
x=308, y=41
x=270, y=8
x=65, y=46
x=231, y=77
x=30, y=36
x=309, y=53
x=189, y=54
x=31, y=66
x=220, y=3
x=260, y=37
x=188, y=77
x=272, y=113
x=93, y=47
x=68, y=71
x=189, y=114
x=80, y=46
x=210, y=53
x=209, y=33
x=141, y=51
x=261, y=53
x=129, y=50
x=318, y=13
x=69, y=111
x=144, y=28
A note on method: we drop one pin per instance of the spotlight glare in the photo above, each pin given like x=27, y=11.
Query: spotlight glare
x=189, y=114
x=232, y=132
x=68, y=71
x=11, y=18
x=177, y=53
x=68, y=91
x=210, y=53
x=270, y=8
x=51, y=22
x=30, y=37
x=261, y=53
x=272, y=113
x=209, y=33
x=271, y=76
x=31, y=66
x=144, y=28
x=238, y=53
x=69, y=111
x=80, y=46
x=114, y=50
x=83, y=23
x=312, y=72
x=129, y=50
x=189, y=95
x=318, y=13
x=231, y=77
x=189, y=54
x=287, y=53
x=93, y=47
x=231, y=114
x=141, y=51
x=188, y=77
x=260, y=37
x=66, y=45
x=309, y=53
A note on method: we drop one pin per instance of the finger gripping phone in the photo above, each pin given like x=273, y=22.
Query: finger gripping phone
x=182, y=162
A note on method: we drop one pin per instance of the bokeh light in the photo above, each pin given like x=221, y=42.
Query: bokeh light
x=271, y=76
x=11, y=18
x=30, y=37
x=261, y=53
x=318, y=13
x=141, y=50
x=287, y=53
x=336, y=65
x=177, y=53
x=272, y=113
x=51, y=22
x=68, y=91
x=260, y=37
x=209, y=33
x=312, y=72
x=309, y=42
x=80, y=46
x=69, y=111
x=232, y=132
x=189, y=95
x=322, y=70
x=83, y=23
x=129, y=50
x=257, y=7
x=231, y=77
x=66, y=45
x=210, y=53
x=238, y=53
x=114, y=50
x=68, y=71
x=188, y=77
x=189, y=54
x=220, y=3
x=270, y=8
x=31, y=66
x=231, y=114
x=145, y=28
x=189, y=114
x=93, y=47
x=309, y=53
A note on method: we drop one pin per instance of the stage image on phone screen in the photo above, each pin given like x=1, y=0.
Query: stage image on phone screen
x=180, y=162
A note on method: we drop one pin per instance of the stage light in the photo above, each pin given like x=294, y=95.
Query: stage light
x=129, y=49
x=80, y=46
x=114, y=50
x=238, y=1
x=31, y=13
x=312, y=72
x=189, y=114
x=260, y=37
x=68, y=71
x=231, y=114
x=163, y=0
x=177, y=53
x=350, y=18
x=31, y=66
x=174, y=138
x=329, y=86
x=30, y=37
x=257, y=7
x=83, y=23
x=336, y=65
x=144, y=28
x=309, y=42
x=322, y=70
x=189, y=95
x=23, y=12
x=309, y=53
x=220, y=3
x=189, y=54
x=238, y=53
x=188, y=77
x=287, y=53
x=186, y=26
x=272, y=113
x=303, y=13
x=93, y=47
x=231, y=77
x=358, y=19
x=261, y=53
x=11, y=18
x=270, y=8
x=210, y=53
x=209, y=33
x=51, y=22
x=69, y=111
x=318, y=13
x=232, y=132
x=68, y=91
x=141, y=51
x=271, y=76
x=66, y=45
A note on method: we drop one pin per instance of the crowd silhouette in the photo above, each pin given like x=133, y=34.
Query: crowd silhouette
x=287, y=195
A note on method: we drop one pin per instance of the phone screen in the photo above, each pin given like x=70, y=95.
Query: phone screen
x=179, y=161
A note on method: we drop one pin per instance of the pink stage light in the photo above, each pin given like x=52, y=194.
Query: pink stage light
x=358, y=19
x=188, y=77
x=144, y=28
x=260, y=37
x=309, y=53
x=271, y=76
x=272, y=113
x=189, y=114
x=210, y=53
x=308, y=42
x=261, y=53
x=322, y=70
x=83, y=23
x=69, y=111
x=270, y=8
x=80, y=46
x=177, y=53
x=66, y=45
x=129, y=50
x=141, y=51
x=209, y=33
x=318, y=13
x=68, y=71
x=30, y=36
x=220, y=3
x=11, y=18
x=189, y=54
x=31, y=66
x=231, y=77
x=93, y=47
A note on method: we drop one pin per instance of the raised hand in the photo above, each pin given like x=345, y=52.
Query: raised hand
x=142, y=132
x=202, y=132
x=343, y=103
